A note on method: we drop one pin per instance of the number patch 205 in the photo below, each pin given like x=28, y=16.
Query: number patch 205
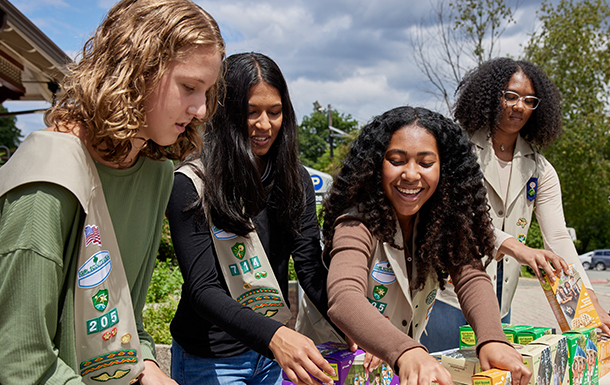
x=103, y=322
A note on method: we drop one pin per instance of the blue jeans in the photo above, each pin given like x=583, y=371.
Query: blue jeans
x=247, y=368
x=444, y=327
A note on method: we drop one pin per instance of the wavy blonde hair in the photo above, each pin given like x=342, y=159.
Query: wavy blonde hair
x=123, y=62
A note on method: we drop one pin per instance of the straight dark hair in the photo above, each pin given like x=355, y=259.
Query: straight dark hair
x=233, y=189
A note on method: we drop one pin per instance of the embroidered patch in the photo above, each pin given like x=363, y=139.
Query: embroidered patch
x=379, y=292
x=261, y=298
x=103, y=322
x=532, y=187
x=262, y=290
x=245, y=266
x=109, y=334
x=125, y=338
x=239, y=250
x=113, y=358
x=271, y=313
x=260, y=274
x=378, y=305
x=221, y=234
x=100, y=299
x=430, y=309
x=234, y=270
x=521, y=238
x=266, y=297
x=107, y=377
x=95, y=270
x=431, y=297
x=522, y=222
x=255, y=263
x=92, y=235
x=383, y=273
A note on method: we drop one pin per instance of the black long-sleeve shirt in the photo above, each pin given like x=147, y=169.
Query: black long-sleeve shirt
x=208, y=322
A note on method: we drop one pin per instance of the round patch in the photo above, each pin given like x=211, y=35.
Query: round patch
x=431, y=296
x=383, y=273
x=126, y=338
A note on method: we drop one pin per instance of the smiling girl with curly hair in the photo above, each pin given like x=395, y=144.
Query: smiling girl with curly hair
x=407, y=207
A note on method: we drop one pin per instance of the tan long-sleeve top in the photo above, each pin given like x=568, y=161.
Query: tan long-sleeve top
x=349, y=309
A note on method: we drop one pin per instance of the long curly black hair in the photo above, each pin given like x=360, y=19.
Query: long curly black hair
x=454, y=226
x=234, y=192
x=479, y=104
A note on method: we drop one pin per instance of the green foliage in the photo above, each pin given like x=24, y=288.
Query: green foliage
x=481, y=22
x=166, y=247
x=10, y=135
x=314, y=142
x=292, y=274
x=534, y=235
x=157, y=317
x=162, y=300
x=572, y=47
x=166, y=282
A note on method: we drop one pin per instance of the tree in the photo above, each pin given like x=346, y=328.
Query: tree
x=572, y=47
x=313, y=139
x=10, y=134
x=464, y=34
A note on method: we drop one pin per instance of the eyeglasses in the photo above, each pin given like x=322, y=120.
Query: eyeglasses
x=511, y=98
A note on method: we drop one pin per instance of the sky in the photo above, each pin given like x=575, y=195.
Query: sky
x=355, y=55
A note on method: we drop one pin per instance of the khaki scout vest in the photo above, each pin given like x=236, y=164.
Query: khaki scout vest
x=107, y=343
x=512, y=216
x=244, y=264
x=388, y=286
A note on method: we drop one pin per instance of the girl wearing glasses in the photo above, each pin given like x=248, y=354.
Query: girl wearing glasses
x=512, y=109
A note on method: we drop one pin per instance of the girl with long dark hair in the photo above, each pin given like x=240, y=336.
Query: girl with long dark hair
x=237, y=214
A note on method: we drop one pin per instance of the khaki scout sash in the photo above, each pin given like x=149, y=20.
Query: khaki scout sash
x=107, y=343
x=388, y=286
x=245, y=266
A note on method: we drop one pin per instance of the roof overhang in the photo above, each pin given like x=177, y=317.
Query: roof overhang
x=31, y=65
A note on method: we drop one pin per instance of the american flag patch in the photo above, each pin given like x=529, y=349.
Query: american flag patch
x=92, y=235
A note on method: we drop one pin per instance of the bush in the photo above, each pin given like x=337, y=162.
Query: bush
x=162, y=300
x=157, y=318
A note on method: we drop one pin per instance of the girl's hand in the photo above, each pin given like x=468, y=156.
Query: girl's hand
x=153, y=375
x=371, y=362
x=299, y=358
x=537, y=259
x=502, y=356
x=418, y=367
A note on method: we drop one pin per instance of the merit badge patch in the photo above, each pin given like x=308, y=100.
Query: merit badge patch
x=117, y=357
x=383, y=273
x=264, y=298
x=239, y=250
x=95, y=270
x=522, y=222
x=521, y=238
x=378, y=305
x=92, y=235
x=103, y=322
x=532, y=188
x=221, y=234
x=100, y=299
x=109, y=334
x=104, y=377
x=379, y=292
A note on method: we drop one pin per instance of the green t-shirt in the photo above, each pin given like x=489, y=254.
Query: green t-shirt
x=40, y=230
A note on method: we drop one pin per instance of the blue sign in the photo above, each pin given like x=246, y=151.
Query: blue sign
x=317, y=181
